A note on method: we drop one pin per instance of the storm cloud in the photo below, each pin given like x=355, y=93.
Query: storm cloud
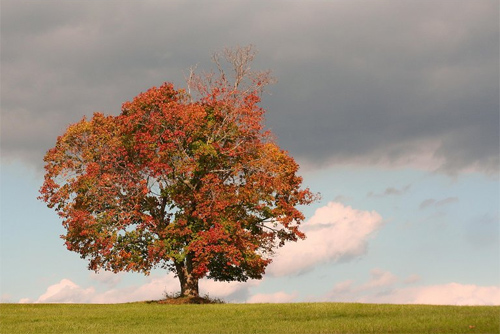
x=393, y=83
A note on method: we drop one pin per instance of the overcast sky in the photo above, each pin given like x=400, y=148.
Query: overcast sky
x=387, y=105
x=366, y=81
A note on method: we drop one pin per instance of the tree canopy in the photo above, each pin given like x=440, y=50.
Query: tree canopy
x=187, y=180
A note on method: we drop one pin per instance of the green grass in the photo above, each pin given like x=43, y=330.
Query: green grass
x=247, y=318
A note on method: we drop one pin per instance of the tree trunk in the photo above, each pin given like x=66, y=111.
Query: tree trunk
x=189, y=283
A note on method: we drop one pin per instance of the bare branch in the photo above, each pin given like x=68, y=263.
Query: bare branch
x=190, y=80
x=234, y=76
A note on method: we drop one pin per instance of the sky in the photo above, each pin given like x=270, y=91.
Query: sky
x=391, y=108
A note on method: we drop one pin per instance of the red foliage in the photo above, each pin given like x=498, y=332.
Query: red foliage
x=189, y=186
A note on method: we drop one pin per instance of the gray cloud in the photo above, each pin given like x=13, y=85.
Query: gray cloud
x=391, y=191
x=392, y=83
x=430, y=202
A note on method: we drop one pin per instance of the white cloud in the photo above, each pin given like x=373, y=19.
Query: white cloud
x=443, y=294
x=229, y=291
x=346, y=290
x=67, y=291
x=25, y=301
x=383, y=288
x=5, y=298
x=379, y=278
x=154, y=289
x=277, y=297
x=335, y=232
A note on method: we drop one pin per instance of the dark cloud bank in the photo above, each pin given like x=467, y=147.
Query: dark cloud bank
x=386, y=82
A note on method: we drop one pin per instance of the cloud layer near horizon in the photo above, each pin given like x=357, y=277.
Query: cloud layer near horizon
x=66, y=291
x=385, y=287
x=415, y=85
x=381, y=288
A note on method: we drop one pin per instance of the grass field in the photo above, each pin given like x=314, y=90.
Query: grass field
x=247, y=318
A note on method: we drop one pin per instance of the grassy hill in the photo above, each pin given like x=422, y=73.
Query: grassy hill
x=247, y=318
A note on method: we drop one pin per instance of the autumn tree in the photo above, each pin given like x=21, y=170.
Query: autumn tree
x=186, y=180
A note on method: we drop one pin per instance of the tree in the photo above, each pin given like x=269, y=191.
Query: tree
x=193, y=186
